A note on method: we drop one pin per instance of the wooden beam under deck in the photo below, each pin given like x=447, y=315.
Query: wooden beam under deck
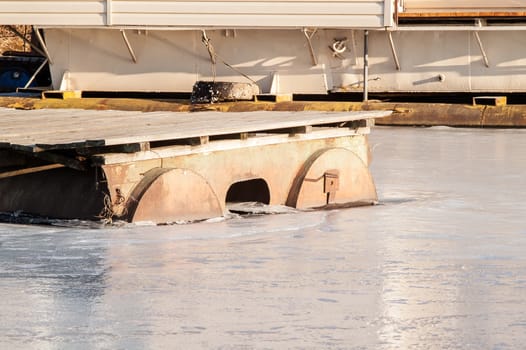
x=7, y=174
x=226, y=145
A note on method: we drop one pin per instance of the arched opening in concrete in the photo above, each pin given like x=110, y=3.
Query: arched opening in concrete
x=255, y=190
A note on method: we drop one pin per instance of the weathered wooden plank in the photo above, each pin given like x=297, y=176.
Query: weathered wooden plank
x=64, y=129
x=64, y=122
x=252, y=123
x=189, y=125
x=25, y=171
x=32, y=147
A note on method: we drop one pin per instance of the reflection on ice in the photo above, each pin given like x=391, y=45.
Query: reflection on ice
x=438, y=264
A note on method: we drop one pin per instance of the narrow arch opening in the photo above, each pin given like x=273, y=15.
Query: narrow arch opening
x=255, y=190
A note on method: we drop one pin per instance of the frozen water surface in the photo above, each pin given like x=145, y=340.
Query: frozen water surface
x=439, y=263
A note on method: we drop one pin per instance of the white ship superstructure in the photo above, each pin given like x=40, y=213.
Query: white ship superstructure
x=283, y=46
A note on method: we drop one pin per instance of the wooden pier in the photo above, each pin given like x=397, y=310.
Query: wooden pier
x=168, y=166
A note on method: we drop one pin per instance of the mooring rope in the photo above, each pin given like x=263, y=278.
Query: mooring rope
x=214, y=55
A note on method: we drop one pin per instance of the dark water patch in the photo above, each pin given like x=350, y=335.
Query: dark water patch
x=30, y=219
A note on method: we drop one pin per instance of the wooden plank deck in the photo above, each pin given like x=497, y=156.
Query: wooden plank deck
x=42, y=130
x=464, y=8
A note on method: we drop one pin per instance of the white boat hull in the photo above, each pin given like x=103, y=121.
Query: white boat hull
x=280, y=61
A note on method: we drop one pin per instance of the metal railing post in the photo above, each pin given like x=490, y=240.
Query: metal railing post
x=366, y=65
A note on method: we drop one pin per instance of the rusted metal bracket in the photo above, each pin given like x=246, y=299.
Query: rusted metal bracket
x=331, y=184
